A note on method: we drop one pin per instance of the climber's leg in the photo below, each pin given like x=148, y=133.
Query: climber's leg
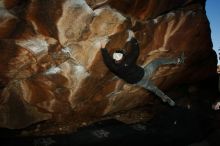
x=151, y=87
x=153, y=65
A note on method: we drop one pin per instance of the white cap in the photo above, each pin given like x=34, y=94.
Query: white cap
x=117, y=56
x=216, y=106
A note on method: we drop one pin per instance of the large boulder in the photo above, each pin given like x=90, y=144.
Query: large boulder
x=51, y=64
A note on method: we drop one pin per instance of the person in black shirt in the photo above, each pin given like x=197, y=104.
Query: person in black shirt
x=123, y=65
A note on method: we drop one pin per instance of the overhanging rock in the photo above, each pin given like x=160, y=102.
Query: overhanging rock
x=51, y=64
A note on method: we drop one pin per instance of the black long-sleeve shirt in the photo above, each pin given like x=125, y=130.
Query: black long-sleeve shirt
x=127, y=69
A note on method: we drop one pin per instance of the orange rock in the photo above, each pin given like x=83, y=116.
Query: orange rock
x=51, y=63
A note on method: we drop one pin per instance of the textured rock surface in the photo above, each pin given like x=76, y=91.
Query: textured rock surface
x=51, y=66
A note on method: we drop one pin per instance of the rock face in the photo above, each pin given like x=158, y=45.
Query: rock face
x=51, y=64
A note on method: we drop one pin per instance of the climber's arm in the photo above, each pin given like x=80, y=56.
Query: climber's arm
x=134, y=53
x=108, y=60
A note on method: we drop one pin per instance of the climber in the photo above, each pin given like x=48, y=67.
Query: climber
x=123, y=65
